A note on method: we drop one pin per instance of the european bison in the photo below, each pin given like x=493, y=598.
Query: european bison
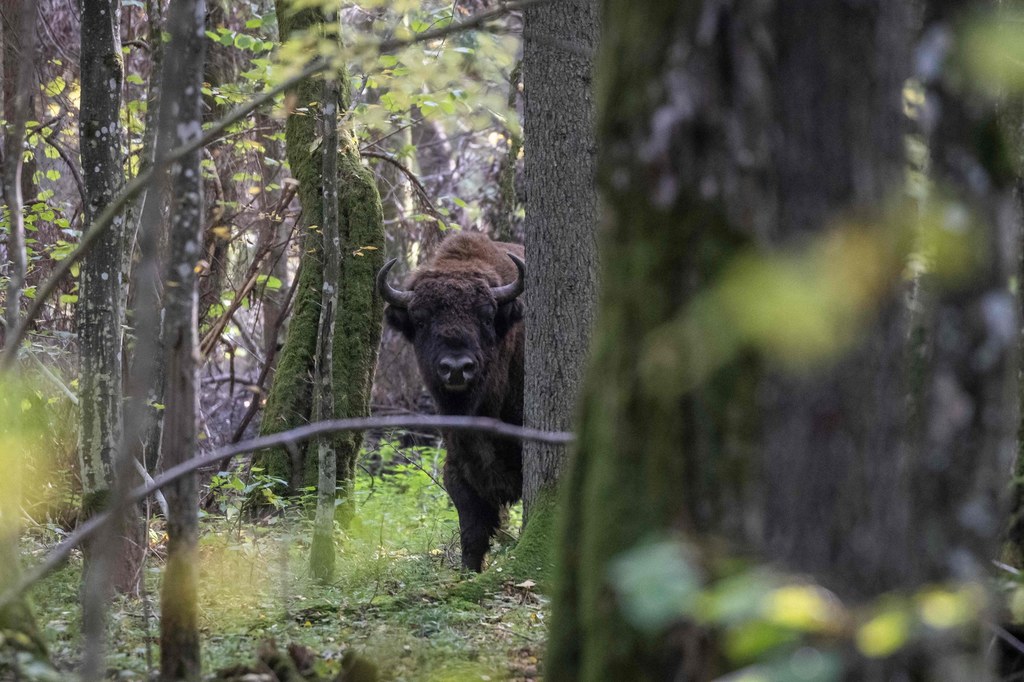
x=462, y=313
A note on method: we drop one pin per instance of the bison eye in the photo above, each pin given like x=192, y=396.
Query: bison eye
x=486, y=310
x=419, y=321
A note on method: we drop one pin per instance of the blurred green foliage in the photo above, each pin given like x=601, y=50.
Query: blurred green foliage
x=778, y=627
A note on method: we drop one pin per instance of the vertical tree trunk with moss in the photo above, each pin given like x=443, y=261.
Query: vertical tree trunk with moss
x=658, y=450
x=561, y=238
x=358, y=321
x=99, y=316
x=181, y=113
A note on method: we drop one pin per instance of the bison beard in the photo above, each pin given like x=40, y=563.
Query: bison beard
x=462, y=312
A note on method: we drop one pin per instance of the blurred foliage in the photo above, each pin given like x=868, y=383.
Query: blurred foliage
x=806, y=306
x=778, y=627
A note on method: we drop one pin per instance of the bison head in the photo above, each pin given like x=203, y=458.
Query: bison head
x=456, y=322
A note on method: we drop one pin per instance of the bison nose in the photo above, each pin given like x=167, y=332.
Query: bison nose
x=456, y=370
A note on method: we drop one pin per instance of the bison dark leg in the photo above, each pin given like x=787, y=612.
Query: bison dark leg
x=478, y=519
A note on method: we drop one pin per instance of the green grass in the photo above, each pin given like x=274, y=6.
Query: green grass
x=395, y=600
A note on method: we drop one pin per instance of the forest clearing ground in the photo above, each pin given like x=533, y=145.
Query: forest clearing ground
x=396, y=599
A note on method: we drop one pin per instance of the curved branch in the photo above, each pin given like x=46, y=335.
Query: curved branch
x=291, y=437
x=420, y=189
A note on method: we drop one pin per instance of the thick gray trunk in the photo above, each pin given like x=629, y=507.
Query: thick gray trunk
x=561, y=223
x=839, y=81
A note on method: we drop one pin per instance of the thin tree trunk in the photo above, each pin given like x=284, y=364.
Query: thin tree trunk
x=99, y=317
x=321, y=550
x=181, y=113
x=148, y=206
x=19, y=44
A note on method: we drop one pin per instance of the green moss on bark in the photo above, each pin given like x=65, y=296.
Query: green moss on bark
x=359, y=316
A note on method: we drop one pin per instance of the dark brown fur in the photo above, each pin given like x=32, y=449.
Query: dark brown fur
x=453, y=308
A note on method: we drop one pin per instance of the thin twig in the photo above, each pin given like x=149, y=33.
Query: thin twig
x=420, y=189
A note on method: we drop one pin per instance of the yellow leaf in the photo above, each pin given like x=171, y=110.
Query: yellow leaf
x=884, y=634
x=803, y=607
x=943, y=609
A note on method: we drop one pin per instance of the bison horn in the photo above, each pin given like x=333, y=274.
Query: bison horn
x=508, y=292
x=396, y=297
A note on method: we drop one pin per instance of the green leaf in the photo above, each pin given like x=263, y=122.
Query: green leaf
x=271, y=282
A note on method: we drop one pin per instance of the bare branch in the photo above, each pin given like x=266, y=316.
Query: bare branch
x=289, y=438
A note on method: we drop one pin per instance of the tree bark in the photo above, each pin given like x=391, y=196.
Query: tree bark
x=658, y=451
x=561, y=223
x=19, y=46
x=321, y=549
x=969, y=413
x=839, y=78
x=99, y=317
x=181, y=115
x=17, y=621
x=728, y=134
x=358, y=321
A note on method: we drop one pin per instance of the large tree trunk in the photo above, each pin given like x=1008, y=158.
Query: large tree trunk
x=839, y=79
x=653, y=455
x=767, y=124
x=561, y=231
x=181, y=113
x=358, y=321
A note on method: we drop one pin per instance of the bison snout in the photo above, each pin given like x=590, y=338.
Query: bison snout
x=456, y=371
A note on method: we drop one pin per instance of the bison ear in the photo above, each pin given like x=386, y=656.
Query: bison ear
x=399, y=319
x=508, y=314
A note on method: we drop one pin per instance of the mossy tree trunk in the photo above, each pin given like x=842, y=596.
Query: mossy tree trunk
x=653, y=458
x=758, y=126
x=561, y=239
x=358, y=320
x=321, y=548
x=99, y=316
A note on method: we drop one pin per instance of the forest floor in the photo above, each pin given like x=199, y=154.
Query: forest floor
x=399, y=599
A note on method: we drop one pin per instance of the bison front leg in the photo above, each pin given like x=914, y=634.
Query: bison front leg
x=478, y=520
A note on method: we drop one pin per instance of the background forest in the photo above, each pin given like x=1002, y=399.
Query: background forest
x=770, y=424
